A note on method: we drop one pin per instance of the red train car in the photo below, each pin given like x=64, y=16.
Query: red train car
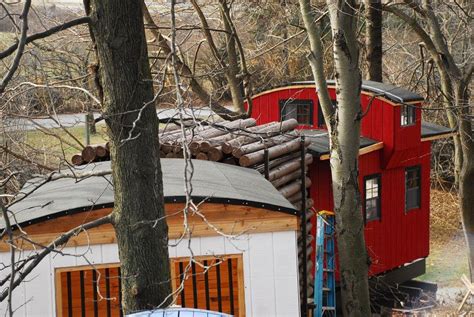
x=394, y=167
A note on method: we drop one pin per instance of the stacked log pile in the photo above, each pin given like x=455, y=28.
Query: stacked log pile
x=273, y=149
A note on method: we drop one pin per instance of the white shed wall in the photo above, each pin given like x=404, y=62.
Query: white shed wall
x=270, y=272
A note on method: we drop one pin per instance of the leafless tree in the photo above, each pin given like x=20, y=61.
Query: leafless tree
x=343, y=122
x=453, y=61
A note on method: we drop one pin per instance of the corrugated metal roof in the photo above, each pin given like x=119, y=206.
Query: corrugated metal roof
x=212, y=182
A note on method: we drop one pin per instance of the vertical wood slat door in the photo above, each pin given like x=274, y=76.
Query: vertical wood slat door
x=88, y=292
x=218, y=288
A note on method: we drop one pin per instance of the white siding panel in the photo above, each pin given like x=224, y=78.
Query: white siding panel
x=110, y=253
x=263, y=296
x=261, y=254
x=269, y=265
x=172, y=248
x=40, y=281
x=212, y=245
x=86, y=255
x=284, y=248
x=182, y=249
x=261, y=274
x=286, y=297
x=285, y=263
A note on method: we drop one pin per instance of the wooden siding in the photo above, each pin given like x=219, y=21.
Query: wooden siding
x=381, y=121
x=269, y=268
x=220, y=287
x=399, y=237
x=86, y=291
x=229, y=219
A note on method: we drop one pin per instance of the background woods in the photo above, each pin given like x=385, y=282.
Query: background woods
x=175, y=79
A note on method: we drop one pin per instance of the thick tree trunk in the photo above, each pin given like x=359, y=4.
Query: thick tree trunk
x=344, y=129
x=130, y=114
x=373, y=39
x=353, y=261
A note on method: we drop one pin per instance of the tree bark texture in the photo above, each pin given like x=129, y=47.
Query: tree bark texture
x=373, y=39
x=129, y=110
x=455, y=84
x=344, y=145
x=466, y=175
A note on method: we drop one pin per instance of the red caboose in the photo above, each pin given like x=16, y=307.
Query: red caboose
x=394, y=167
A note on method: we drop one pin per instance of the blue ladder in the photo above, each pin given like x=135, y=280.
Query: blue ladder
x=325, y=280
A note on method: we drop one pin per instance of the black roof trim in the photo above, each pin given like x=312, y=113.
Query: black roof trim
x=168, y=200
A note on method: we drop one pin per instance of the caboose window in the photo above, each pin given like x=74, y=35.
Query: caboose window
x=408, y=115
x=299, y=109
x=412, y=187
x=372, y=197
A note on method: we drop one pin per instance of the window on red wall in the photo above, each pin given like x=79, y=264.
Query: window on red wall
x=372, y=193
x=412, y=187
x=407, y=115
x=299, y=109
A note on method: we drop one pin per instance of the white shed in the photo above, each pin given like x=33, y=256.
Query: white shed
x=252, y=272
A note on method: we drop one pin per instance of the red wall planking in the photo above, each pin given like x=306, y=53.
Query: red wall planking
x=399, y=237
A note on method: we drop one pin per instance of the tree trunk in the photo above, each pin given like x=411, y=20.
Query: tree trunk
x=130, y=114
x=373, y=39
x=231, y=74
x=353, y=261
x=466, y=175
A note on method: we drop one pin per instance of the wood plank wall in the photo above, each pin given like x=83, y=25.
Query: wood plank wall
x=209, y=283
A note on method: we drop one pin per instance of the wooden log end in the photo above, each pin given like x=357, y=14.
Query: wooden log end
x=227, y=148
x=101, y=151
x=77, y=159
x=215, y=154
x=88, y=154
x=237, y=153
x=202, y=156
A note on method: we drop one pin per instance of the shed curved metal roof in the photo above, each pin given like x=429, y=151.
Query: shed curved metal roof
x=212, y=182
x=390, y=92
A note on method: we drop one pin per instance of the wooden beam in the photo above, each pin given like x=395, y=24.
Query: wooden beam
x=230, y=219
x=438, y=137
x=371, y=148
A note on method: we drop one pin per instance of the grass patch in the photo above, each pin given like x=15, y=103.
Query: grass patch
x=56, y=145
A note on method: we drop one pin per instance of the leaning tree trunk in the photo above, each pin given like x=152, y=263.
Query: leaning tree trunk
x=373, y=39
x=129, y=109
x=466, y=175
x=353, y=261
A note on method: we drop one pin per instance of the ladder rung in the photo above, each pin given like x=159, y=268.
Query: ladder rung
x=326, y=289
x=328, y=270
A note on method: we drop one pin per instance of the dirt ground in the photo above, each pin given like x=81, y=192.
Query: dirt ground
x=448, y=256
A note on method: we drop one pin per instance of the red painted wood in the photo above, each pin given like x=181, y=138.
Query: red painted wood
x=399, y=237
